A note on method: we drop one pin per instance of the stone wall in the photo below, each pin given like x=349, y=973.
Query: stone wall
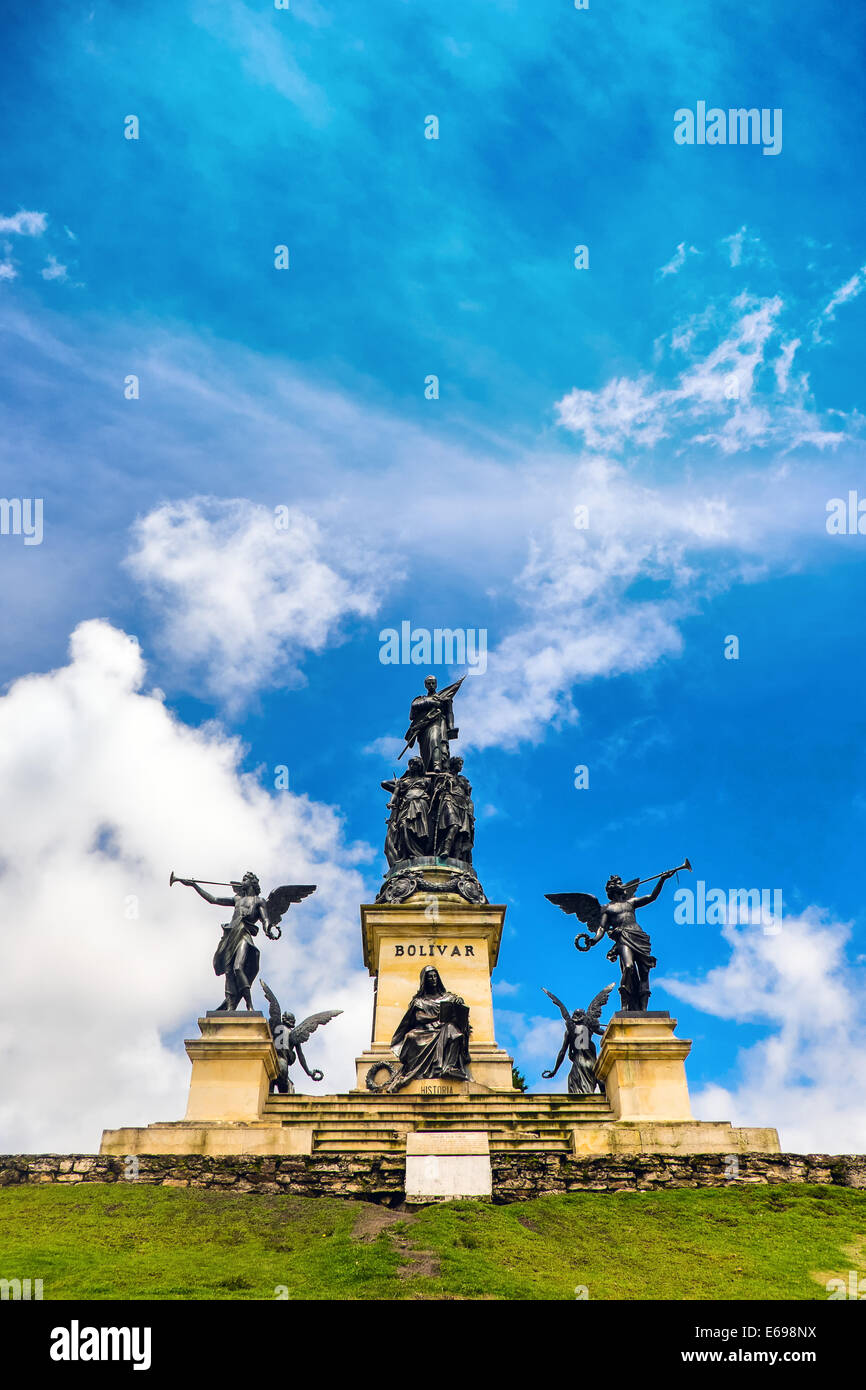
x=517, y=1177
x=380, y=1178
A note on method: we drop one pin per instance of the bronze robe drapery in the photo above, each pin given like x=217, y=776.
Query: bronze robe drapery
x=433, y=1036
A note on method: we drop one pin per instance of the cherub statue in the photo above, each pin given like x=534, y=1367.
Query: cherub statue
x=288, y=1036
x=579, y=1028
x=631, y=945
x=236, y=956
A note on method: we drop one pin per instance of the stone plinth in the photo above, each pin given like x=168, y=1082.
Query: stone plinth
x=444, y=1165
x=642, y=1067
x=461, y=940
x=233, y=1064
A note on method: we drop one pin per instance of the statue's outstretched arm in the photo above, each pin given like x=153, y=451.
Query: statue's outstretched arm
x=211, y=897
x=651, y=897
x=548, y=1075
x=315, y=1074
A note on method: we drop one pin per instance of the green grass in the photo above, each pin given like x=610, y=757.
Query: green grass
x=95, y=1241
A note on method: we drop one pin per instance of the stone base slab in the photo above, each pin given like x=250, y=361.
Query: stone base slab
x=686, y=1137
x=212, y=1140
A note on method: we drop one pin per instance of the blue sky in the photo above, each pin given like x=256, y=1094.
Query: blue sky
x=698, y=387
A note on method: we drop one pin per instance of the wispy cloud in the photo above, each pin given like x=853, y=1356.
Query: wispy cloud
x=850, y=290
x=720, y=397
x=24, y=223
x=678, y=259
x=53, y=270
x=807, y=1073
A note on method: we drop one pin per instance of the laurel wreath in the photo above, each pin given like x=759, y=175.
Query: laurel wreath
x=391, y=1068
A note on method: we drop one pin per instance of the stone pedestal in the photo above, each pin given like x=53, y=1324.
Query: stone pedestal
x=233, y=1064
x=462, y=940
x=642, y=1067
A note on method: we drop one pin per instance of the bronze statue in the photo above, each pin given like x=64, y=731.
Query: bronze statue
x=631, y=945
x=455, y=814
x=409, y=834
x=579, y=1028
x=288, y=1036
x=432, y=1039
x=431, y=719
x=236, y=956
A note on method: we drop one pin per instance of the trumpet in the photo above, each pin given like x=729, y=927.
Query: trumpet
x=212, y=882
x=636, y=882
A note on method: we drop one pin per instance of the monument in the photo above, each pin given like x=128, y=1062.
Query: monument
x=433, y=1087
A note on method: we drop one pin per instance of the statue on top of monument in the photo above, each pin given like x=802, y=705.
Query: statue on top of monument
x=237, y=956
x=431, y=724
x=431, y=820
x=631, y=945
x=288, y=1035
x=579, y=1028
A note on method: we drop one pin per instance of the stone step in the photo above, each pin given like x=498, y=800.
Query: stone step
x=467, y=1108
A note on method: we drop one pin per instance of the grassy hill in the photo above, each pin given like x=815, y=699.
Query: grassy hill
x=96, y=1240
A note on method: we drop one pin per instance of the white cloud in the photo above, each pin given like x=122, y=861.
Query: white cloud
x=53, y=270
x=808, y=1077
x=243, y=599
x=850, y=290
x=717, y=400
x=7, y=270
x=678, y=259
x=110, y=792
x=744, y=248
x=580, y=619
x=24, y=223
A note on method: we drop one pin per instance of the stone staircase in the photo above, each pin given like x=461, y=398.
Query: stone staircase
x=374, y=1124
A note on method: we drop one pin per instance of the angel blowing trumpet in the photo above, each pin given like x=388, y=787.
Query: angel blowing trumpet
x=631, y=945
x=236, y=956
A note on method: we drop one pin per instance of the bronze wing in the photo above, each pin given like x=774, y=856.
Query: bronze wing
x=308, y=1027
x=275, y=1016
x=559, y=1004
x=280, y=900
x=583, y=906
x=593, y=1013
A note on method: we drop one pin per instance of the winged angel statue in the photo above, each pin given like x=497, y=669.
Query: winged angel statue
x=631, y=945
x=288, y=1037
x=237, y=956
x=579, y=1028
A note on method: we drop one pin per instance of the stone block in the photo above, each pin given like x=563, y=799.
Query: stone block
x=443, y=1166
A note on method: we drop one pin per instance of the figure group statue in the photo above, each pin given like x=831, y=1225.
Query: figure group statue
x=431, y=809
x=431, y=814
x=579, y=1028
x=237, y=956
x=431, y=1040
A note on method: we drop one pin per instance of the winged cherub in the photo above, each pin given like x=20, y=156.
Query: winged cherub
x=236, y=956
x=579, y=1028
x=288, y=1036
x=631, y=945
